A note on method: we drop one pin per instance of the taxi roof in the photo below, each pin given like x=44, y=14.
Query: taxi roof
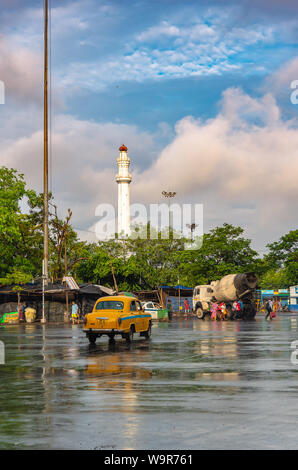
x=117, y=297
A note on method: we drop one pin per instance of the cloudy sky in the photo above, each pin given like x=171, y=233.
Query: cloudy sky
x=199, y=92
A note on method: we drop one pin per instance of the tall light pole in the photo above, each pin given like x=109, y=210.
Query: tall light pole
x=45, y=153
x=45, y=264
x=169, y=195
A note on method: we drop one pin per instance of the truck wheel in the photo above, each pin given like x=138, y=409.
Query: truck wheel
x=249, y=311
x=200, y=313
x=92, y=339
x=129, y=335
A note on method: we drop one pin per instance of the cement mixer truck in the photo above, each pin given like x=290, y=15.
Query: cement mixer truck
x=228, y=289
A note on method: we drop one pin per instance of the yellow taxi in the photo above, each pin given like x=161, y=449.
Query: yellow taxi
x=117, y=315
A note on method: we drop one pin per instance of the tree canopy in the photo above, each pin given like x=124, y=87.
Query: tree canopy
x=132, y=264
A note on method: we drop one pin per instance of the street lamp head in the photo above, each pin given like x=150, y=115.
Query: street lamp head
x=169, y=193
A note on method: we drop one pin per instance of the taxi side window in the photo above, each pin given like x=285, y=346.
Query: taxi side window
x=150, y=305
x=133, y=306
x=139, y=306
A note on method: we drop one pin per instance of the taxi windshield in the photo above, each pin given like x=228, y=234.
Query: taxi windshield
x=110, y=305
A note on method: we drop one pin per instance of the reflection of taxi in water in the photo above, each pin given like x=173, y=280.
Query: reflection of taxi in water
x=117, y=315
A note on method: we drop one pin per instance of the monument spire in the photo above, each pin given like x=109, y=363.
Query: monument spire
x=123, y=179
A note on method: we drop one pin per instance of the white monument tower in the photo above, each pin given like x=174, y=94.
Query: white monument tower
x=123, y=179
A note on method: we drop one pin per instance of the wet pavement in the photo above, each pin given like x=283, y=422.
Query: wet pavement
x=194, y=385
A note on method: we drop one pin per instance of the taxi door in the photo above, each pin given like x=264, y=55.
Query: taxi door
x=142, y=319
x=134, y=313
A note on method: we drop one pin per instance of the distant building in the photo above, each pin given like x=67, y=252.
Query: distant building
x=123, y=179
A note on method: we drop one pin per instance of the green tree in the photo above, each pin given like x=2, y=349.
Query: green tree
x=136, y=263
x=284, y=254
x=274, y=279
x=16, y=232
x=224, y=251
x=21, y=233
x=144, y=263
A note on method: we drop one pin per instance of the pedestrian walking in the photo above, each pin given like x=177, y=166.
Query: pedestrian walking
x=269, y=308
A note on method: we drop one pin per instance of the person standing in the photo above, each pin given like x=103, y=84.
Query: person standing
x=223, y=310
x=21, y=311
x=170, y=309
x=74, y=313
x=186, y=306
x=214, y=309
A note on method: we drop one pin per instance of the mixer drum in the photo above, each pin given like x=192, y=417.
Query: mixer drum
x=230, y=287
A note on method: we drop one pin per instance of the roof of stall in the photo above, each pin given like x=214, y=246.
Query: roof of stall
x=169, y=290
x=175, y=290
x=95, y=289
x=55, y=288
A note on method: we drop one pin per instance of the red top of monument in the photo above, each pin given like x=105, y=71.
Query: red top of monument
x=123, y=148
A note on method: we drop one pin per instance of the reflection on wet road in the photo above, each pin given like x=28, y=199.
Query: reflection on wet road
x=195, y=384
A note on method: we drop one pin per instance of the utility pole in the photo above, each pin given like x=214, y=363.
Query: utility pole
x=45, y=263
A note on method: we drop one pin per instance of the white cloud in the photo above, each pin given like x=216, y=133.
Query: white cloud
x=21, y=71
x=281, y=79
x=156, y=32
x=172, y=51
x=242, y=164
x=84, y=157
x=235, y=154
x=173, y=48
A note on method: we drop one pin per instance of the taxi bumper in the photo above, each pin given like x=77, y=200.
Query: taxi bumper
x=102, y=330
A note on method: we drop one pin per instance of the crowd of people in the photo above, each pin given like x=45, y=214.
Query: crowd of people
x=219, y=310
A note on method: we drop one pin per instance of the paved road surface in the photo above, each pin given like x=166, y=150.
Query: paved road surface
x=194, y=385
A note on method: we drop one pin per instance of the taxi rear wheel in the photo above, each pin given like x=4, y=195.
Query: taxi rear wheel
x=147, y=333
x=129, y=335
x=92, y=339
x=112, y=338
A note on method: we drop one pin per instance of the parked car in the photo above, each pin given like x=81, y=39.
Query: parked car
x=117, y=315
x=157, y=311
